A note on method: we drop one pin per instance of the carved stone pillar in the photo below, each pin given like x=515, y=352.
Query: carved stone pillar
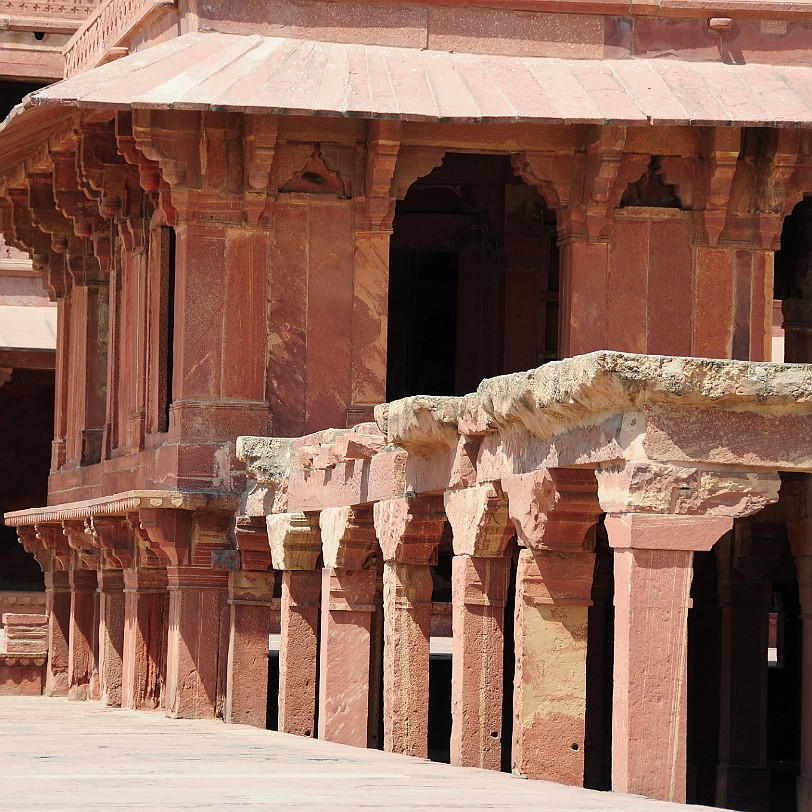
x=553, y=512
x=658, y=515
x=349, y=587
x=408, y=531
x=480, y=575
x=115, y=537
x=83, y=644
x=197, y=639
x=250, y=593
x=295, y=550
x=50, y=548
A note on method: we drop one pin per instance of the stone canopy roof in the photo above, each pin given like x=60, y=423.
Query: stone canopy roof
x=264, y=74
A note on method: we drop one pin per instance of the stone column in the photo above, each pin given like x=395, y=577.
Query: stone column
x=745, y=564
x=409, y=531
x=349, y=585
x=50, y=548
x=295, y=550
x=146, y=609
x=116, y=540
x=480, y=574
x=553, y=512
x=111, y=635
x=657, y=516
x=83, y=644
x=197, y=639
x=250, y=593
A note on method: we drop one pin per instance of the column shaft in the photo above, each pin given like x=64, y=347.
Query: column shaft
x=553, y=594
x=348, y=604
x=145, y=633
x=83, y=640
x=198, y=628
x=57, y=603
x=479, y=592
x=249, y=597
x=111, y=635
x=298, y=651
x=407, y=592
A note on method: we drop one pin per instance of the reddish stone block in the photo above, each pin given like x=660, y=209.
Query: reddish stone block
x=584, y=271
x=58, y=600
x=479, y=590
x=627, y=288
x=549, y=702
x=298, y=651
x=111, y=635
x=145, y=637
x=347, y=608
x=83, y=639
x=197, y=638
x=407, y=628
x=249, y=597
x=713, y=308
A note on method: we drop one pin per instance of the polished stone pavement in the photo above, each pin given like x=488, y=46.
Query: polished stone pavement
x=61, y=755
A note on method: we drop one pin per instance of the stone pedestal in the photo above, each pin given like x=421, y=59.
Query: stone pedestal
x=653, y=571
x=479, y=592
x=111, y=635
x=298, y=651
x=249, y=598
x=145, y=634
x=83, y=639
x=407, y=627
x=198, y=628
x=348, y=604
x=553, y=595
x=22, y=658
x=57, y=605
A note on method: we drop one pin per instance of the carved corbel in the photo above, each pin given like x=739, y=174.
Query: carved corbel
x=553, y=173
x=81, y=540
x=715, y=173
x=679, y=171
x=168, y=534
x=35, y=546
x=44, y=212
x=259, y=148
x=414, y=163
x=604, y=153
x=348, y=539
x=409, y=529
x=56, y=543
x=115, y=537
x=554, y=509
x=479, y=520
x=375, y=210
x=777, y=194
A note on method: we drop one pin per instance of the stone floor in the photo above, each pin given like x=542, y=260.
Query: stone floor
x=56, y=754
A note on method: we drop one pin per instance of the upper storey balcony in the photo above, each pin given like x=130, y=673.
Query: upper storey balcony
x=33, y=34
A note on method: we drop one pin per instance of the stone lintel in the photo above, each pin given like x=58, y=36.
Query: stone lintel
x=295, y=541
x=554, y=508
x=479, y=521
x=647, y=531
x=348, y=538
x=409, y=529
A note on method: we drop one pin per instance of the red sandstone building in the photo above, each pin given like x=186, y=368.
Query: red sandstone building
x=444, y=271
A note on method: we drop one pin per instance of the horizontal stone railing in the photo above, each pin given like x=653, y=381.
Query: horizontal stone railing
x=110, y=23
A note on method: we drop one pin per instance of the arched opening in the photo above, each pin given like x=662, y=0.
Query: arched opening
x=473, y=279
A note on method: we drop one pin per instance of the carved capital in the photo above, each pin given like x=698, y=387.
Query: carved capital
x=376, y=208
x=251, y=533
x=348, y=539
x=479, y=520
x=56, y=543
x=409, y=529
x=295, y=541
x=80, y=539
x=168, y=534
x=116, y=538
x=715, y=173
x=646, y=487
x=554, y=508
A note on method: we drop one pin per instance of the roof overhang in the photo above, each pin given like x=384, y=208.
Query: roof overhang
x=257, y=74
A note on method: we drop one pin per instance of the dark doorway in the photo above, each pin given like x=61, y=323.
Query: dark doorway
x=473, y=286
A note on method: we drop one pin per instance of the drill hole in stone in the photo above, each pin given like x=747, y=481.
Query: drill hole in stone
x=39, y=35
x=494, y=734
x=574, y=746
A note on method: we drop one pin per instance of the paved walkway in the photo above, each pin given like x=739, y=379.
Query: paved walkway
x=56, y=754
